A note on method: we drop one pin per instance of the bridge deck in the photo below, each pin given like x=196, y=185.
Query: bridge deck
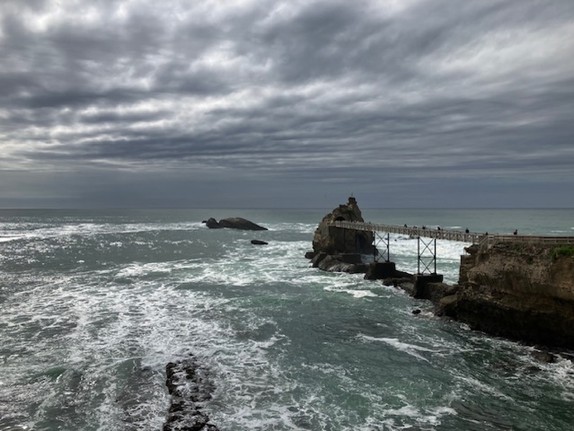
x=452, y=235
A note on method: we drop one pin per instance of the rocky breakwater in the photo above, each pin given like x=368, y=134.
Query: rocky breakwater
x=520, y=290
x=336, y=249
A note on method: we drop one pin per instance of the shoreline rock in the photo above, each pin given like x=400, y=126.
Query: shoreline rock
x=516, y=290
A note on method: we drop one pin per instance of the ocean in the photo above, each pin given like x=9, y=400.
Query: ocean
x=94, y=304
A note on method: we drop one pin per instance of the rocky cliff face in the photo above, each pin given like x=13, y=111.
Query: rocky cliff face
x=522, y=291
x=336, y=249
x=332, y=240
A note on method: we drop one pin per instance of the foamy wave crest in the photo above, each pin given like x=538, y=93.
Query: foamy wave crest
x=410, y=349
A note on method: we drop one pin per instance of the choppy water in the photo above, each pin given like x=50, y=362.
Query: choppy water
x=94, y=304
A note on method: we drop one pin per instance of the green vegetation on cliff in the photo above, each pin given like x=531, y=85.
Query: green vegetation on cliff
x=563, y=251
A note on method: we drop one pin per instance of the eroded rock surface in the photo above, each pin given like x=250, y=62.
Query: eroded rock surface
x=521, y=291
x=333, y=240
x=341, y=250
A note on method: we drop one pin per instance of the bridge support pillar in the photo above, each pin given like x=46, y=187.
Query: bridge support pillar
x=380, y=270
x=422, y=281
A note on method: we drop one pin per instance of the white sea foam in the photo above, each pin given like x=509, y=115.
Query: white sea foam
x=411, y=349
x=357, y=293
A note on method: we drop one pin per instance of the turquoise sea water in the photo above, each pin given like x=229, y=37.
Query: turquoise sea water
x=94, y=304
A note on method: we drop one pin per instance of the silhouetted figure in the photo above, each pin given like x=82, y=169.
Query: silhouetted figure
x=406, y=225
x=467, y=231
x=515, y=231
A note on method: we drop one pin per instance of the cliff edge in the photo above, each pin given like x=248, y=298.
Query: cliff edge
x=523, y=291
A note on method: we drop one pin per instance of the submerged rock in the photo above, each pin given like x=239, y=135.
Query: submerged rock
x=258, y=242
x=190, y=387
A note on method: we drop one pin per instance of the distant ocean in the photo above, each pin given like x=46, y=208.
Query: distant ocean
x=94, y=304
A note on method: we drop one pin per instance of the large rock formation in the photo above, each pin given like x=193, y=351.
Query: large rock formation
x=233, y=223
x=333, y=240
x=523, y=291
x=336, y=249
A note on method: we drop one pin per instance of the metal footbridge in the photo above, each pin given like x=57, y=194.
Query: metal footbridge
x=414, y=232
x=426, y=240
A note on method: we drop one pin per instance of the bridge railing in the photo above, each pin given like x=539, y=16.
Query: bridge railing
x=453, y=235
x=525, y=239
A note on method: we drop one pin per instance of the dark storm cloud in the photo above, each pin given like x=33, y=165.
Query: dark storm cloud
x=328, y=91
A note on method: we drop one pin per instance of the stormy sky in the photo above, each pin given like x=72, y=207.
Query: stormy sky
x=298, y=103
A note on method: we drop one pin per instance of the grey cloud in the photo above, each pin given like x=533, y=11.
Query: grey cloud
x=317, y=90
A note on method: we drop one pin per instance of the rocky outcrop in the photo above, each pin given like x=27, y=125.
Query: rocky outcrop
x=518, y=290
x=344, y=262
x=233, y=223
x=211, y=223
x=341, y=250
x=190, y=387
x=333, y=240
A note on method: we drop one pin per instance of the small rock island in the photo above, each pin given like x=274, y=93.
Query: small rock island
x=337, y=249
x=232, y=223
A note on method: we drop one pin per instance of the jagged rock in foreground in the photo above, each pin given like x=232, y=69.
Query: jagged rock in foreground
x=189, y=387
x=517, y=290
x=336, y=249
x=233, y=223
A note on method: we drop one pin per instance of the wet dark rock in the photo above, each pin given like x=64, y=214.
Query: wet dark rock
x=310, y=255
x=190, y=387
x=432, y=291
x=233, y=223
x=416, y=311
x=240, y=223
x=258, y=242
x=387, y=272
x=334, y=263
x=211, y=223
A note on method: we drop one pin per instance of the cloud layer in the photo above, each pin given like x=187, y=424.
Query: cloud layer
x=277, y=96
